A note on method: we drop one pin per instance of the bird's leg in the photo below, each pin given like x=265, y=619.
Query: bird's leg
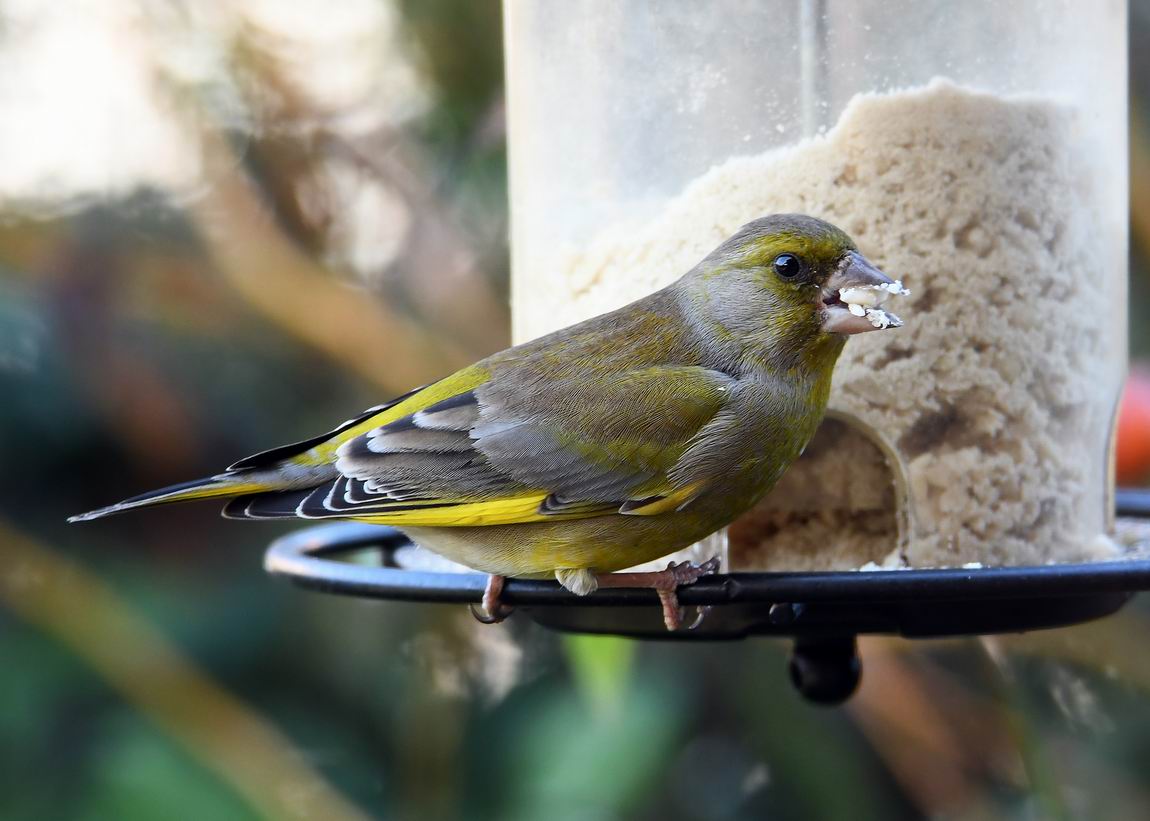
x=494, y=610
x=665, y=583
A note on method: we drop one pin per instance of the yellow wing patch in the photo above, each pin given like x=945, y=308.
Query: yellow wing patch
x=669, y=503
x=459, y=382
x=521, y=509
x=511, y=510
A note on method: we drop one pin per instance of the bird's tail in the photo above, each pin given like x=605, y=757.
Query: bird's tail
x=223, y=484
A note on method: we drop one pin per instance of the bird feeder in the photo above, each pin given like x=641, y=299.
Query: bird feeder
x=974, y=150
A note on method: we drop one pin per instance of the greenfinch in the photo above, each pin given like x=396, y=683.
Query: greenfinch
x=600, y=446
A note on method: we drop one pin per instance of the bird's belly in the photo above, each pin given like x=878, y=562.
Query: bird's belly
x=604, y=544
x=615, y=542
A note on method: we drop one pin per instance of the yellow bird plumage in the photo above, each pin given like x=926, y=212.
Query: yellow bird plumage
x=601, y=446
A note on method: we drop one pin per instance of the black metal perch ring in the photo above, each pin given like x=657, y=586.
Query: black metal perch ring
x=823, y=612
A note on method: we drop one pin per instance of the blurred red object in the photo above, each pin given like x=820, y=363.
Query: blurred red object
x=1132, y=464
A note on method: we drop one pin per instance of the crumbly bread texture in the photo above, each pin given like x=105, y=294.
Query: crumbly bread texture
x=996, y=396
x=794, y=527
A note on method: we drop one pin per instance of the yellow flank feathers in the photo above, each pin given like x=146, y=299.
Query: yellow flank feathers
x=669, y=503
x=511, y=510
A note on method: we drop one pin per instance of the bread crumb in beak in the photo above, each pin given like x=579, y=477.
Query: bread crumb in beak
x=871, y=296
x=864, y=300
x=881, y=319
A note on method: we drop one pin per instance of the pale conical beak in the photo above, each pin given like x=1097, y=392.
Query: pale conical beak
x=853, y=295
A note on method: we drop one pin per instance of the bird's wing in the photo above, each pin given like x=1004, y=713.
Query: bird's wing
x=486, y=450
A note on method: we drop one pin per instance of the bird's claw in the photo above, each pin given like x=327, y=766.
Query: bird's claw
x=701, y=612
x=483, y=617
x=493, y=611
x=667, y=582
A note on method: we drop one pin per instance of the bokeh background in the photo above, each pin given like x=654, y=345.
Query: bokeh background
x=228, y=225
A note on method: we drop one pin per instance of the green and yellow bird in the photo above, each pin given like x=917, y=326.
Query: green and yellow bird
x=601, y=446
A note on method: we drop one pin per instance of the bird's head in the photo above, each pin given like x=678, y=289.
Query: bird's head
x=790, y=280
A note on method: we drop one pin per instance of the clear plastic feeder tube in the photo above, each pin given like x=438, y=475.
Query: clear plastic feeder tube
x=976, y=150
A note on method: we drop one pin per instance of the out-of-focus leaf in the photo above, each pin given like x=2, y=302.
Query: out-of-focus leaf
x=571, y=763
x=141, y=776
x=602, y=668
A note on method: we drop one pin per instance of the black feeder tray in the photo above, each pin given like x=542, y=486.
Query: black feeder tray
x=822, y=612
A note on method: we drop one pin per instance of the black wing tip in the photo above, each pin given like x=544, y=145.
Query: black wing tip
x=236, y=508
x=283, y=504
x=457, y=401
x=267, y=458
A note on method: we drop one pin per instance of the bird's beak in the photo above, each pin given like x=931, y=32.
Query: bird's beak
x=852, y=295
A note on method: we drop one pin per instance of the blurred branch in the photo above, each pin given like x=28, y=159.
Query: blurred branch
x=934, y=736
x=82, y=612
x=437, y=263
x=282, y=283
x=132, y=395
x=240, y=214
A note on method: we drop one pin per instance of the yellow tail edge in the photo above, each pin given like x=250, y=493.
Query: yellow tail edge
x=210, y=487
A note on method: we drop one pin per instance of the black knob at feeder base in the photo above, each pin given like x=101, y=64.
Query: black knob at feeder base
x=826, y=670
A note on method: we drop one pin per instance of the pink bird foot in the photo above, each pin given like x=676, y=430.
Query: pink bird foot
x=666, y=583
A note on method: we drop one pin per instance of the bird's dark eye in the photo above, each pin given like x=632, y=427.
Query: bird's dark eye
x=788, y=266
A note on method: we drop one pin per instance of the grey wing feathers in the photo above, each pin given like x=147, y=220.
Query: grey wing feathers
x=536, y=458
x=483, y=444
x=457, y=449
x=428, y=455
